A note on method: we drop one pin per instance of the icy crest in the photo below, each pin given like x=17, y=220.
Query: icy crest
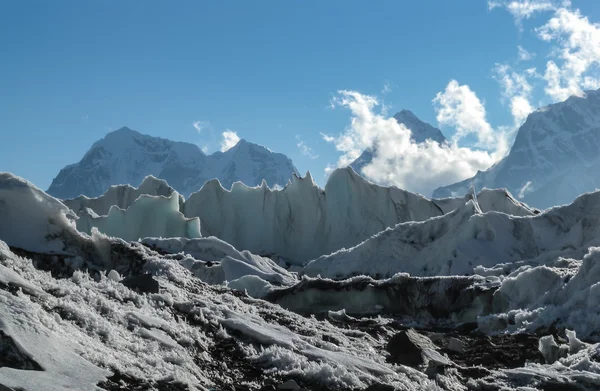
x=121, y=196
x=465, y=239
x=147, y=216
x=303, y=221
x=31, y=219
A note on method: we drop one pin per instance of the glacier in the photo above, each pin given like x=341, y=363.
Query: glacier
x=516, y=308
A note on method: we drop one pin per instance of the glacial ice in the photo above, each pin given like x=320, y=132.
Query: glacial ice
x=31, y=219
x=528, y=271
x=303, y=221
x=147, y=216
x=467, y=239
x=121, y=196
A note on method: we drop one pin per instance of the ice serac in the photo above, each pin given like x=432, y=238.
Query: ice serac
x=31, y=219
x=499, y=200
x=420, y=131
x=555, y=156
x=126, y=156
x=467, y=241
x=215, y=261
x=121, y=196
x=303, y=221
x=147, y=216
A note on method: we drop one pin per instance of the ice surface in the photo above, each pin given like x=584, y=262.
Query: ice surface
x=215, y=261
x=303, y=221
x=466, y=240
x=31, y=219
x=121, y=196
x=147, y=216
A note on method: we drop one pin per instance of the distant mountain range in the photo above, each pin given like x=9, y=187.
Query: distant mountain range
x=555, y=156
x=126, y=156
x=420, y=132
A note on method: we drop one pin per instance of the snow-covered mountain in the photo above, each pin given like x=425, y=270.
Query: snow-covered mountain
x=555, y=157
x=126, y=157
x=420, y=130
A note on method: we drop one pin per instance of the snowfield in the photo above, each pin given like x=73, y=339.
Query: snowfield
x=473, y=293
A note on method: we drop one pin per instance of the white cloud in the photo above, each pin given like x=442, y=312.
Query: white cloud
x=398, y=160
x=328, y=138
x=458, y=106
x=524, y=55
x=578, y=54
x=515, y=88
x=201, y=125
x=305, y=149
x=230, y=139
x=525, y=9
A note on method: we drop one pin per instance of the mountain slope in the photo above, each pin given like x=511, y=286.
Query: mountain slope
x=555, y=157
x=126, y=157
x=421, y=131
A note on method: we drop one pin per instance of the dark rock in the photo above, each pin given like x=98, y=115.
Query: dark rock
x=12, y=356
x=380, y=387
x=407, y=346
x=121, y=381
x=143, y=283
x=289, y=385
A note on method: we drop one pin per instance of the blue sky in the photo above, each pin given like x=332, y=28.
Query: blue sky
x=73, y=70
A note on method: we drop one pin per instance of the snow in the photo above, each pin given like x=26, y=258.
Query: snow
x=121, y=196
x=484, y=259
x=554, y=156
x=466, y=240
x=499, y=200
x=31, y=219
x=63, y=368
x=147, y=216
x=215, y=262
x=303, y=221
x=126, y=157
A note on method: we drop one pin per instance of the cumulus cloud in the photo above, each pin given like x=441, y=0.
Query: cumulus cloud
x=399, y=160
x=229, y=140
x=578, y=54
x=525, y=9
x=575, y=45
x=459, y=107
x=305, y=149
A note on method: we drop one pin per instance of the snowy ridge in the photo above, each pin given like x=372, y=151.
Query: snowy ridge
x=121, y=196
x=125, y=156
x=489, y=200
x=303, y=221
x=467, y=241
x=555, y=156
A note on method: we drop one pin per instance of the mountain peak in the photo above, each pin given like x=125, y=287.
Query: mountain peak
x=554, y=157
x=125, y=156
x=420, y=131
